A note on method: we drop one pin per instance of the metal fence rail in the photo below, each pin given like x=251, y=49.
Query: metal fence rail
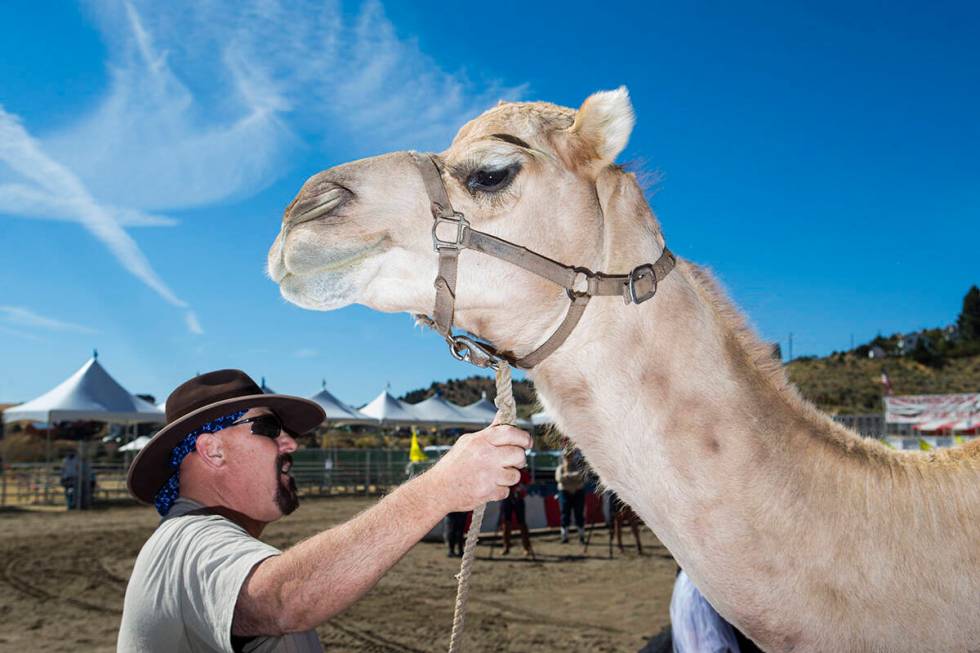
x=40, y=484
x=316, y=471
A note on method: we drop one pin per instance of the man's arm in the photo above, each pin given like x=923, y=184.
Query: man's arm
x=325, y=574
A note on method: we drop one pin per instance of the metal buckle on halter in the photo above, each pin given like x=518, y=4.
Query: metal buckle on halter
x=461, y=224
x=640, y=272
x=468, y=350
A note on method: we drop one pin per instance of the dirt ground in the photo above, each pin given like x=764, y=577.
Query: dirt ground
x=64, y=575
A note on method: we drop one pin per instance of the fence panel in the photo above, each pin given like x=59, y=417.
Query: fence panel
x=316, y=471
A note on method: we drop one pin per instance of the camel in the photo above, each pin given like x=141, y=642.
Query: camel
x=801, y=533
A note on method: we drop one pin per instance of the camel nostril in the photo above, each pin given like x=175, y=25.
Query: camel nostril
x=317, y=204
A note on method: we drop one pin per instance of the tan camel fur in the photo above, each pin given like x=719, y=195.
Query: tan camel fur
x=801, y=533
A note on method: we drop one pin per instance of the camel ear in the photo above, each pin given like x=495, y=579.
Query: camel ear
x=603, y=125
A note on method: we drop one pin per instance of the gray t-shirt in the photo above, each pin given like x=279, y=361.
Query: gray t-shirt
x=182, y=593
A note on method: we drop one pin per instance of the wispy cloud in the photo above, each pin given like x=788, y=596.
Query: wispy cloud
x=207, y=102
x=20, y=334
x=216, y=96
x=23, y=154
x=306, y=353
x=193, y=325
x=153, y=143
x=25, y=317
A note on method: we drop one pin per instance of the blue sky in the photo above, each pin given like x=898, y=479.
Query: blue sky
x=822, y=160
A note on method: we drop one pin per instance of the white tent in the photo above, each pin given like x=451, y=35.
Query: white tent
x=387, y=410
x=337, y=411
x=436, y=411
x=968, y=424
x=136, y=444
x=88, y=394
x=541, y=419
x=481, y=411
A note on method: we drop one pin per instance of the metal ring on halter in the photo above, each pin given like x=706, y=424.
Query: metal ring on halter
x=468, y=350
x=586, y=275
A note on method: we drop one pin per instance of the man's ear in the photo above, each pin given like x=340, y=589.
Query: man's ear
x=210, y=450
x=602, y=128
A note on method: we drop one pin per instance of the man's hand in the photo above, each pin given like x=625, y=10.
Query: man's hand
x=480, y=467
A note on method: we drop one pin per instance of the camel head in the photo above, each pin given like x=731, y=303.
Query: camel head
x=535, y=174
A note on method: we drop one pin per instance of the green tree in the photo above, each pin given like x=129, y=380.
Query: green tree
x=969, y=320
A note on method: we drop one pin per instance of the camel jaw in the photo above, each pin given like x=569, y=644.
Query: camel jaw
x=318, y=294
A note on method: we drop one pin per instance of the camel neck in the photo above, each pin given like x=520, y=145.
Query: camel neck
x=690, y=420
x=685, y=422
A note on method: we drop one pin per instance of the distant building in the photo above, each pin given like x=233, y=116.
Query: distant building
x=951, y=333
x=908, y=342
x=869, y=425
x=876, y=352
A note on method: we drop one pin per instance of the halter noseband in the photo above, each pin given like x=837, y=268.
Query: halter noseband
x=580, y=283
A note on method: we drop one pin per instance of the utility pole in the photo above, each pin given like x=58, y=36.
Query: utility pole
x=790, y=347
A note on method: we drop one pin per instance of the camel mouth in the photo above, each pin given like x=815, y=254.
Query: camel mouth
x=297, y=262
x=320, y=279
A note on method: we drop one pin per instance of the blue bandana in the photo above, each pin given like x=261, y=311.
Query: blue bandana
x=171, y=489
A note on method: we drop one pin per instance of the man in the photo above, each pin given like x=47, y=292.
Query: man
x=512, y=509
x=570, y=475
x=69, y=479
x=218, y=472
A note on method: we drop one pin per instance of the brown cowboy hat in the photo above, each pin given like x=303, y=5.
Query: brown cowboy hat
x=200, y=400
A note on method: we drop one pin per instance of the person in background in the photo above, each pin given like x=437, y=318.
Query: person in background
x=69, y=480
x=570, y=475
x=512, y=508
x=456, y=533
x=619, y=514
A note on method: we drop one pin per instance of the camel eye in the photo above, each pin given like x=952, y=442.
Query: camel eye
x=490, y=181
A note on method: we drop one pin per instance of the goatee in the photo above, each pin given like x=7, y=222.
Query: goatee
x=286, y=496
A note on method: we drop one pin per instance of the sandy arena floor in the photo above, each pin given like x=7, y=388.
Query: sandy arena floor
x=63, y=576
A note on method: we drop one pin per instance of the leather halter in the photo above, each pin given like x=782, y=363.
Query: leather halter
x=580, y=283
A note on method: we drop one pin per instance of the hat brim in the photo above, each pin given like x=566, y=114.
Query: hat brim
x=151, y=467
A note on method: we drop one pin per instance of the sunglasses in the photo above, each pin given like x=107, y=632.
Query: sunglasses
x=268, y=425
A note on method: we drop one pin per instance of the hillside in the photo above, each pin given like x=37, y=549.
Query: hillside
x=840, y=383
x=846, y=383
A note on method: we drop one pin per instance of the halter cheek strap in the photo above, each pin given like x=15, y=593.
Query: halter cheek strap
x=580, y=283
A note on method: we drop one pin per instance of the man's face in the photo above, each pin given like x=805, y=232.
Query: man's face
x=257, y=470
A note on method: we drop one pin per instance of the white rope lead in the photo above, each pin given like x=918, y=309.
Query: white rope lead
x=506, y=414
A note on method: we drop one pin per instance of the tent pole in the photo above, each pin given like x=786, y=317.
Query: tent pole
x=47, y=457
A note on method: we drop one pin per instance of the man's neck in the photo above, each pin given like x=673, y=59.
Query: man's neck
x=252, y=526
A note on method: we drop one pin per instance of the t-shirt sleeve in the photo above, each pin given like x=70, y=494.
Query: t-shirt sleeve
x=217, y=558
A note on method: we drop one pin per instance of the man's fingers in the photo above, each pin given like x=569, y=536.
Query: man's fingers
x=508, y=477
x=515, y=457
x=504, y=434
